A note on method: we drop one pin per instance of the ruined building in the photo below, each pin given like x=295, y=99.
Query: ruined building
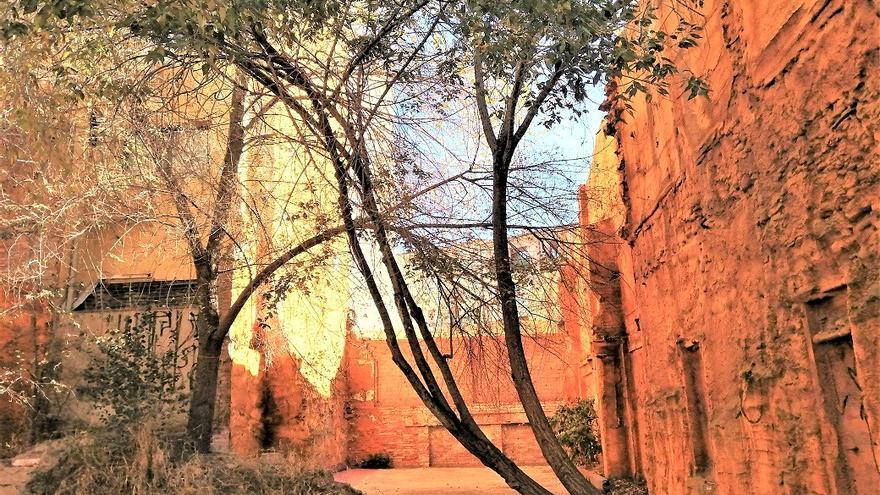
x=729, y=331
x=737, y=322
x=337, y=397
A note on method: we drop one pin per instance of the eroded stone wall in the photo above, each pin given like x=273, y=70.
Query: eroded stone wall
x=387, y=417
x=749, y=257
x=279, y=410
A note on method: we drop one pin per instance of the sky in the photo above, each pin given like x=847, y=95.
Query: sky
x=451, y=143
x=571, y=140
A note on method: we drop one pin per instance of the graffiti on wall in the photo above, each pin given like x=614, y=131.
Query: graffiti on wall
x=167, y=331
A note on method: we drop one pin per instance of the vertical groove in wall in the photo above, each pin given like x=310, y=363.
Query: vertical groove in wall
x=695, y=392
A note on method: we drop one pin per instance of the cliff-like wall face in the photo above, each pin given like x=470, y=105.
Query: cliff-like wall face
x=751, y=255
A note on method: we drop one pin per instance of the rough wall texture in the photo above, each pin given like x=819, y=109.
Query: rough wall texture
x=386, y=415
x=172, y=330
x=24, y=335
x=372, y=409
x=749, y=259
x=280, y=410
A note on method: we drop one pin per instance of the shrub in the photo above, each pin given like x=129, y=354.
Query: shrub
x=575, y=426
x=138, y=461
x=375, y=461
x=128, y=380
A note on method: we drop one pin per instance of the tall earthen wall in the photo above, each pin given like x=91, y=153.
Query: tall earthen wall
x=387, y=417
x=749, y=257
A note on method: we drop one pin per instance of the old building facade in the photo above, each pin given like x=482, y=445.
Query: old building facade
x=738, y=308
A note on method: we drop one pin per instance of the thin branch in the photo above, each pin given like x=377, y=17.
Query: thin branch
x=482, y=106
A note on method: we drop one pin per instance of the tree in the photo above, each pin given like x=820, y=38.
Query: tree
x=39, y=147
x=540, y=64
x=141, y=152
x=550, y=49
x=574, y=53
x=201, y=204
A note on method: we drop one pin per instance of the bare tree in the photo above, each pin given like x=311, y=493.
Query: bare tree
x=202, y=204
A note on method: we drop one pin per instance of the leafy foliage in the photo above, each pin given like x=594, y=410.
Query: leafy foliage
x=128, y=380
x=556, y=49
x=575, y=425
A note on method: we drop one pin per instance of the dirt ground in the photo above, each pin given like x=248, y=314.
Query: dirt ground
x=442, y=481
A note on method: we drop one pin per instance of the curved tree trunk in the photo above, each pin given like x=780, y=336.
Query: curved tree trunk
x=573, y=480
x=463, y=429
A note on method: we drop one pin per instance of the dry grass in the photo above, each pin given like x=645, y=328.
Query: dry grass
x=141, y=463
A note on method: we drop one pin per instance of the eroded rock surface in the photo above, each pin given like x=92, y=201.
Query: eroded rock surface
x=749, y=258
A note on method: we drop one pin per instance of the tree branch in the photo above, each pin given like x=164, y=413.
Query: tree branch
x=482, y=106
x=266, y=273
x=229, y=172
x=536, y=105
x=509, y=117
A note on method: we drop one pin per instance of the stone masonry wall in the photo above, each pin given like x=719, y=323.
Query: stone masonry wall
x=749, y=257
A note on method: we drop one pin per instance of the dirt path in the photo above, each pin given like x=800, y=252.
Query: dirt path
x=16, y=472
x=442, y=481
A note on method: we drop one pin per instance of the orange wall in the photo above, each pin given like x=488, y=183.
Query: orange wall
x=306, y=426
x=750, y=234
x=24, y=329
x=388, y=417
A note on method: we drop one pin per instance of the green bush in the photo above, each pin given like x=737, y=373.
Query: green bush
x=128, y=380
x=575, y=426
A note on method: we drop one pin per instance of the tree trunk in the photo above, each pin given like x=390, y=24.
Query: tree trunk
x=573, y=480
x=464, y=428
x=203, y=392
x=209, y=334
x=209, y=344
